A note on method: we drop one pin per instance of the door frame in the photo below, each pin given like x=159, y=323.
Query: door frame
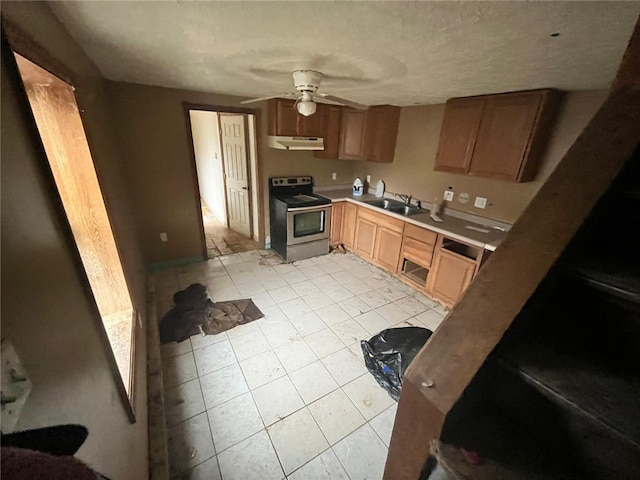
x=186, y=106
x=15, y=40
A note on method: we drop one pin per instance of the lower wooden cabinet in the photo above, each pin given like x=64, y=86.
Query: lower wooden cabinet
x=337, y=212
x=454, y=266
x=432, y=263
x=378, y=238
x=365, y=237
x=450, y=276
x=416, y=255
x=387, y=248
x=348, y=224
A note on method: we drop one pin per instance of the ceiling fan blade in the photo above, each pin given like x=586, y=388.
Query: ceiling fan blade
x=260, y=99
x=343, y=101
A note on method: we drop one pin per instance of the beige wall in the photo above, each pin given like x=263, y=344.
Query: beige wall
x=206, y=146
x=412, y=169
x=154, y=136
x=46, y=311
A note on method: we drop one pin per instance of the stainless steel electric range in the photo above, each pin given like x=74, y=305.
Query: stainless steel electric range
x=300, y=219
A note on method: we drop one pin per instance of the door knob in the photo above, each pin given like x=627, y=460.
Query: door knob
x=244, y=188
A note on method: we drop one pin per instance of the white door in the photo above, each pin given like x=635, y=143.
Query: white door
x=234, y=152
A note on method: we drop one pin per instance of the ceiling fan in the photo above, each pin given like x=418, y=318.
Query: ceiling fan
x=307, y=83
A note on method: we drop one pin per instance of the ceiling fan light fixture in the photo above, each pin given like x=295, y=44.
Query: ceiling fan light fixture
x=306, y=107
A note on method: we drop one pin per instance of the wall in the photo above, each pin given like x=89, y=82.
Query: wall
x=46, y=309
x=153, y=133
x=206, y=144
x=418, y=134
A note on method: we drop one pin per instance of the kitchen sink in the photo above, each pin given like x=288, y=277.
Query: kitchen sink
x=406, y=210
x=395, y=206
x=384, y=203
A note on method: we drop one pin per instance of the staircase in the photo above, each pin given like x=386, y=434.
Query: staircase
x=560, y=394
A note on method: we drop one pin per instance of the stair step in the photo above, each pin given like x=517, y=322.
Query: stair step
x=577, y=380
x=580, y=444
x=479, y=425
x=615, y=276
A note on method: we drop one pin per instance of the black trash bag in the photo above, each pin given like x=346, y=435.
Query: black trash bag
x=389, y=353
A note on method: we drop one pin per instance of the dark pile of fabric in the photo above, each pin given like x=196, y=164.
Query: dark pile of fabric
x=194, y=313
x=45, y=454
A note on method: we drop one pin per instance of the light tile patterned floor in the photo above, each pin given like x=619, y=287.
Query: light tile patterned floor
x=286, y=396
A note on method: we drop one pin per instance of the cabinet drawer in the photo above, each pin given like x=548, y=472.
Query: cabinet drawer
x=416, y=251
x=421, y=234
x=381, y=219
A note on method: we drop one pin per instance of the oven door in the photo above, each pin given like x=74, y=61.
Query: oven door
x=307, y=224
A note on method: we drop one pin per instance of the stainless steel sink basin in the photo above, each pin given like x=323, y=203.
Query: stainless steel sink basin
x=384, y=203
x=406, y=210
x=395, y=206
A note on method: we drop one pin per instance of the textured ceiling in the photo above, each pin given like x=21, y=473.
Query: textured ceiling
x=400, y=53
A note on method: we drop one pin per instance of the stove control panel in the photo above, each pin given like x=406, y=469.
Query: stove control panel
x=290, y=181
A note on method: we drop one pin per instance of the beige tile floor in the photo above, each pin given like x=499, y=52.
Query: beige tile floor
x=286, y=396
x=219, y=239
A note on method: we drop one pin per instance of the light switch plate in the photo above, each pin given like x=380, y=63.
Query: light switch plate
x=480, y=202
x=448, y=195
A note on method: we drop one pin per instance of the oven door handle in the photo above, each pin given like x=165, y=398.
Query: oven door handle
x=304, y=209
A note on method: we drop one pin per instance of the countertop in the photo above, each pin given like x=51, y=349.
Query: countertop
x=452, y=226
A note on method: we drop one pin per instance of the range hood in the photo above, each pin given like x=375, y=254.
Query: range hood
x=295, y=143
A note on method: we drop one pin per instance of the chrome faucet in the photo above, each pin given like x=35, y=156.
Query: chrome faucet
x=405, y=198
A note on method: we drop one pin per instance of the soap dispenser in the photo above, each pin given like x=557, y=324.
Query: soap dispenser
x=357, y=187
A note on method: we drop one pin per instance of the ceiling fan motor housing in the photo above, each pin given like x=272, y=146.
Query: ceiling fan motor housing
x=307, y=80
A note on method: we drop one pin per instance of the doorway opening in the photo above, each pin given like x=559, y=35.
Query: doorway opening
x=224, y=150
x=59, y=124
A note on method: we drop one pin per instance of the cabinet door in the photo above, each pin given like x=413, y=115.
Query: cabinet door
x=365, y=238
x=349, y=224
x=337, y=212
x=458, y=134
x=311, y=126
x=331, y=119
x=450, y=276
x=283, y=118
x=387, y=248
x=503, y=138
x=381, y=133
x=352, y=134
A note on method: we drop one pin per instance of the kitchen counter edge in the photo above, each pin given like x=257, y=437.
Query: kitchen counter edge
x=455, y=227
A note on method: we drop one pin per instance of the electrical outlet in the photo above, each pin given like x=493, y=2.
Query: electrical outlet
x=368, y=178
x=163, y=237
x=334, y=176
x=448, y=195
x=480, y=202
x=463, y=197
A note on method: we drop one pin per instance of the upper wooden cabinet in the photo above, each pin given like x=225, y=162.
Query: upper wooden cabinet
x=353, y=134
x=284, y=120
x=369, y=134
x=348, y=134
x=496, y=136
x=361, y=134
x=458, y=134
x=381, y=133
x=331, y=120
